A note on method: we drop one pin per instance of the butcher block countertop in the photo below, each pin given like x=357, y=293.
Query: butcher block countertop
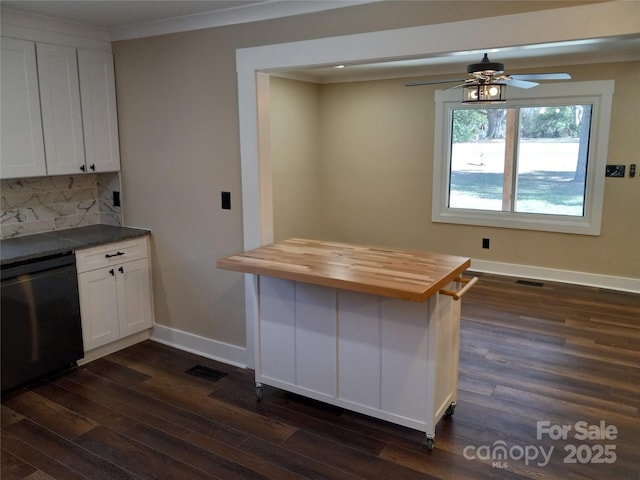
x=404, y=274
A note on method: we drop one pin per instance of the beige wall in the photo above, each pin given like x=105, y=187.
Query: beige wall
x=178, y=120
x=295, y=143
x=376, y=174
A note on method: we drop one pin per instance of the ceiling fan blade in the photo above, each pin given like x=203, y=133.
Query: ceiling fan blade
x=433, y=82
x=468, y=82
x=542, y=76
x=519, y=83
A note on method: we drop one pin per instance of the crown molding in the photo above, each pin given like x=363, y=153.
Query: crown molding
x=21, y=24
x=232, y=16
x=40, y=28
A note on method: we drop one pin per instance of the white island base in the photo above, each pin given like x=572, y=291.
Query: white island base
x=385, y=357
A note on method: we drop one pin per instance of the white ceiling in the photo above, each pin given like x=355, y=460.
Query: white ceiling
x=136, y=18
x=125, y=19
x=117, y=13
x=453, y=64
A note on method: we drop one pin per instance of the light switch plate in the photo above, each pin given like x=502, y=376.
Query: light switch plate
x=226, y=200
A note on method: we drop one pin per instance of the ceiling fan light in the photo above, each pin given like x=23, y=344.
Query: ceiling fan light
x=484, y=93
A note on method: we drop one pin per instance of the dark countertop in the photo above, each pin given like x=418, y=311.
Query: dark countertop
x=30, y=247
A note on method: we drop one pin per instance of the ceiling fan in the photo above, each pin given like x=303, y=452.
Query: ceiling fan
x=492, y=73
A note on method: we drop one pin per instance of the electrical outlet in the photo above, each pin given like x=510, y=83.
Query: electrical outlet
x=116, y=199
x=485, y=243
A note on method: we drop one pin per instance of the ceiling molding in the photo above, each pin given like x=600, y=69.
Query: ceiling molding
x=252, y=13
x=41, y=28
x=81, y=22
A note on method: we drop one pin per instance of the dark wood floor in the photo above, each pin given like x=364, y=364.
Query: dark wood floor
x=556, y=353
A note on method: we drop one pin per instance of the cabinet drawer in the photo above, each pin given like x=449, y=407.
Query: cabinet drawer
x=111, y=254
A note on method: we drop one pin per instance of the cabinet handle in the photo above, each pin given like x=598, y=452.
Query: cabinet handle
x=121, y=269
x=113, y=274
x=468, y=283
x=93, y=167
x=109, y=255
x=83, y=168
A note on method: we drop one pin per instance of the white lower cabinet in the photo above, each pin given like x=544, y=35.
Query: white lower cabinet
x=115, y=291
x=389, y=358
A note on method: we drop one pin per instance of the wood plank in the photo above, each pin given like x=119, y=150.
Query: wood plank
x=348, y=459
x=325, y=420
x=95, y=412
x=9, y=416
x=154, y=412
x=33, y=456
x=69, y=454
x=404, y=274
x=138, y=458
x=441, y=465
x=12, y=468
x=311, y=467
x=68, y=423
x=167, y=391
x=189, y=454
x=117, y=373
x=215, y=410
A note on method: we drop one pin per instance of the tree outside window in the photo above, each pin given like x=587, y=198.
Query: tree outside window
x=534, y=162
x=524, y=159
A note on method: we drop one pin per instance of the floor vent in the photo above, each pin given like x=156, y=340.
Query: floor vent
x=206, y=372
x=530, y=283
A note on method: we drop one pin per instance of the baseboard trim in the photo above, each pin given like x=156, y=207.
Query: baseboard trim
x=610, y=282
x=205, y=347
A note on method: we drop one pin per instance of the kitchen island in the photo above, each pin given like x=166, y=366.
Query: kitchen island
x=373, y=330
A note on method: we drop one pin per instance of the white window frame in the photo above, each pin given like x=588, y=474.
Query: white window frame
x=597, y=93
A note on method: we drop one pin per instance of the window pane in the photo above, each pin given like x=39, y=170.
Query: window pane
x=477, y=159
x=552, y=159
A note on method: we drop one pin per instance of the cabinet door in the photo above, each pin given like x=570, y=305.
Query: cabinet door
x=22, y=147
x=134, y=296
x=98, y=307
x=99, y=117
x=61, y=117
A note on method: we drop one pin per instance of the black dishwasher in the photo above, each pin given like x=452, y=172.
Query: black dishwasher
x=40, y=316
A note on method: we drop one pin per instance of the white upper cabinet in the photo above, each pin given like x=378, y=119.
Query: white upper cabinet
x=61, y=117
x=22, y=151
x=99, y=115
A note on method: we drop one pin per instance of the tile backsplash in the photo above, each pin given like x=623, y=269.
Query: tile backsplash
x=46, y=204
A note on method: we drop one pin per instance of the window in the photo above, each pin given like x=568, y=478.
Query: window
x=534, y=162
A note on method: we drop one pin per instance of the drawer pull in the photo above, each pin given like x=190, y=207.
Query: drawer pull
x=469, y=282
x=110, y=255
